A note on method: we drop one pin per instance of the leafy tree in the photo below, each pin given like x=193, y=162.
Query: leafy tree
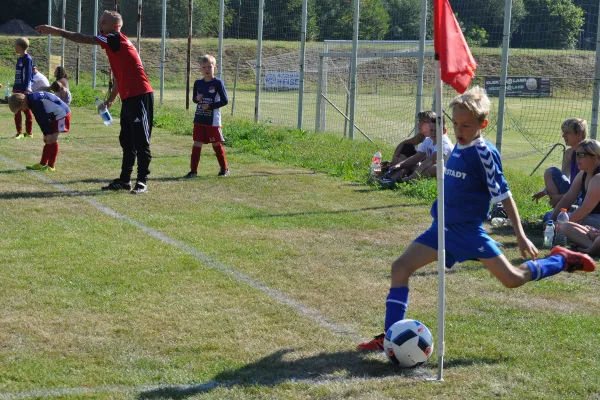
x=483, y=21
x=336, y=19
x=405, y=19
x=552, y=24
x=283, y=20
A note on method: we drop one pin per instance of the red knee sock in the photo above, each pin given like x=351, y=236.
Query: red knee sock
x=28, y=121
x=18, y=122
x=220, y=153
x=46, y=154
x=195, y=159
x=53, y=154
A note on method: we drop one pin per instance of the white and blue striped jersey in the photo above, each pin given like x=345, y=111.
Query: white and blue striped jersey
x=472, y=180
x=46, y=107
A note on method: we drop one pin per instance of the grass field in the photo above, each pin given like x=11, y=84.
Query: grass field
x=251, y=287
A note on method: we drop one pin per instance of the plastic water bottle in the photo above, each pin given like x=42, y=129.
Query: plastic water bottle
x=561, y=239
x=549, y=234
x=376, y=163
x=7, y=90
x=103, y=111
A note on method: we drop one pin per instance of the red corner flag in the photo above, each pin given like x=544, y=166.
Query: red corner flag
x=456, y=61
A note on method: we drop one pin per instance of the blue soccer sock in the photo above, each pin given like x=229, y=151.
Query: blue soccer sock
x=546, y=267
x=395, y=306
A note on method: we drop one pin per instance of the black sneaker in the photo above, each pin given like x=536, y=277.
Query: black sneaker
x=139, y=187
x=223, y=172
x=117, y=184
x=191, y=174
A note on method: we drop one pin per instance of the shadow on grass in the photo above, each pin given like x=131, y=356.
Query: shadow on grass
x=12, y=171
x=274, y=369
x=356, y=210
x=45, y=195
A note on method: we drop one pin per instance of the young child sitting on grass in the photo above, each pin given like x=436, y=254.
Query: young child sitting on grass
x=473, y=179
x=52, y=115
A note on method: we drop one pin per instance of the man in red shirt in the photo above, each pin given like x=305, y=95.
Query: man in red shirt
x=132, y=85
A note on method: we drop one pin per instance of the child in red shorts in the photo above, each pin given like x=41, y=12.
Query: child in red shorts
x=52, y=115
x=209, y=95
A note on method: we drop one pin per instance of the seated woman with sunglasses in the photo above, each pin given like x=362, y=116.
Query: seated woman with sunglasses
x=586, y=218
x=558, y=181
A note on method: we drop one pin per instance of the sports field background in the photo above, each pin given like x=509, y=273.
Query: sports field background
x=254, y=286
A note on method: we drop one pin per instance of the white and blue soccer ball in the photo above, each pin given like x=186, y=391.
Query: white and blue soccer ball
x=408, y=343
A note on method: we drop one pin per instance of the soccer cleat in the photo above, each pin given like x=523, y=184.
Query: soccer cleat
x=28, y=135
x=223, y=172
x=372, y=345
x=117, y=184
x=140, y=187
x=19, y=136
x=36, y=167
x=47, y=168
x=387, y=183
x=191, y=174
x=574, y=261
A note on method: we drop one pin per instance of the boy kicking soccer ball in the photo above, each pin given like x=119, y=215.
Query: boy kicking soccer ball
x=52, y=115
x=473, y=179
x=209, y=95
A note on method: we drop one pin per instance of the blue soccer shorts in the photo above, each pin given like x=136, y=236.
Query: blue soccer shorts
x=463, y=242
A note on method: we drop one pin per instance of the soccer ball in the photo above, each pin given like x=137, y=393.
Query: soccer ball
x=408, y=343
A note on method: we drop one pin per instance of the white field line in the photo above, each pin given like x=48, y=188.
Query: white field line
x=275, y=294
x=203, y=258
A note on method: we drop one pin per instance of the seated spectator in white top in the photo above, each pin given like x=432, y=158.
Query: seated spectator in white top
x=39, y=80
x=60, y=87
x=423, y=163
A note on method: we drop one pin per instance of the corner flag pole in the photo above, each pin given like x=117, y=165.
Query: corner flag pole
x=441, y=218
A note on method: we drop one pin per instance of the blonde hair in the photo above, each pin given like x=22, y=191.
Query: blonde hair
x=208, y=58
x=115, y=16
x=16, y=101
x=22, y=42
x=575, y=125
x=474, y=100
x=591, y=146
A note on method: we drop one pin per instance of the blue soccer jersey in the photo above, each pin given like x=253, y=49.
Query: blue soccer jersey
x=214, y=95
x=46, y=108
x=23, y=74
x=473, y=178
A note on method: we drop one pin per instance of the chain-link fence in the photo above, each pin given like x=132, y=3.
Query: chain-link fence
x=550, y=64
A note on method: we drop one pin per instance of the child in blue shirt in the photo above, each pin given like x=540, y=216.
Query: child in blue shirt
x=52, y=115
x=209, y=95
x=473, y=180
x=23, y=82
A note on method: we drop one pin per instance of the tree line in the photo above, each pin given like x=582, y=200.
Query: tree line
x=554, y=24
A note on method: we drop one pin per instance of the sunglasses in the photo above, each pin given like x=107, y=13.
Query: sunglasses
x=583, y=154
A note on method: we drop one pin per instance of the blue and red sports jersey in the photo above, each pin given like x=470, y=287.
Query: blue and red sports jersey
x=214, y=94
x=46, y=108
x=125, y=64
x=23, y=74
x=473, y=179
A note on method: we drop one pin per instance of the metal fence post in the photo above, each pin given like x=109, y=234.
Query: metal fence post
x=261, y=9
x=503, y=74
x=318, y=100
x=302, y=61
x=353, y=68
x=596, y=94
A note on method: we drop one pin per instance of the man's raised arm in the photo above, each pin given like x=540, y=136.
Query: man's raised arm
x=72, y=36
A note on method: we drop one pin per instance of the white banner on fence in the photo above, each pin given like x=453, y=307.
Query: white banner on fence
x=282, y=80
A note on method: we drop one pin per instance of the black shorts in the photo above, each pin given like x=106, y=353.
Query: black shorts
x=408, y=150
